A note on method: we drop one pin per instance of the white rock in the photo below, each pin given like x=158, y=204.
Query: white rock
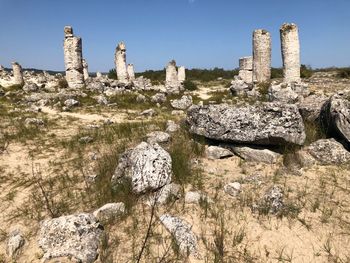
x=109, y=211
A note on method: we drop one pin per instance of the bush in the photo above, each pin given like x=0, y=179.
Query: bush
x=276, y=73
x=343, y=73
x=62, y=83
x=305, y=71
x=189, y=85
x=112, y=74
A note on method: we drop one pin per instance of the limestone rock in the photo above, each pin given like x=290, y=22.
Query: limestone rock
x=181, y=230
x=164, y=194
x=216, y=152
x=71, y=103
x=76, y=236
x=158, y=98
x=85, y=69
x=102, y=100
x=261, y=55
x=182, y=104
x=120, y=62
x=265, y=124
x=335, y=117
x=310, y=107
x=250, y=154
x=149, y=113
x=17, y=74
x=288, y=92
x=148, y=166
x=274, y=200
x=109, y=211
x=171, y=126
x=141, y=98
x=131, y=72
x=181, y=75
x=30, y=87
x=192, y=197
x=33, y=121
x=14, y=243
x=158, y=137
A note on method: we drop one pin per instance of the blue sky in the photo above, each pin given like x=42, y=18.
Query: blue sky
x=196, y=33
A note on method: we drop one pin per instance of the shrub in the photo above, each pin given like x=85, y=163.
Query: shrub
x=343, y=73
x=112, y=74
x=276, y=73
x=305, y=71
x=62, y=83
x=189, y=85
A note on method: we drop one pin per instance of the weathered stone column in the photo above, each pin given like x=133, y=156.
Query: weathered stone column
x=261, y=55
x=17, y=74
x=85, y=69
x=120, y=62
x=73, y=59
x=290, y=47
x=98, y=74
x=246, y=69
x=131, y=71
x=171, y=72
x=181, y=75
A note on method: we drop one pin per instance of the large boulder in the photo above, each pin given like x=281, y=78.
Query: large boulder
x=288, y=93
x=335, y=117
x=74, y=236
x=183, y=103
x=148, y=166
x=264, y=124
x=310, y=107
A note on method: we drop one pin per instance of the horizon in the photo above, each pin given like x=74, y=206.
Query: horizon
x=196, y=33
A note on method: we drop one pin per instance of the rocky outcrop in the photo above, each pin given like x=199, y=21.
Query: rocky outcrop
x=181, y=230
x=335, y=117
x=74, y=236
x=264, y=124
x=148, y=166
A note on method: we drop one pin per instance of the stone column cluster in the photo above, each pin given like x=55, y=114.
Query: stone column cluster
x=174, y=75
x=290, y=47
x=261, y=56
x=246, y=69
x=17, y=74
x=73, y=59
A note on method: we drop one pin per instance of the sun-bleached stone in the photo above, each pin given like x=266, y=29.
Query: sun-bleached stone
x=171, y=72
x=85, y=69
x=73, y=59
x=181, y=75
x=120, y=62
x=261, y=55
x=17, y=74
x=290, y=47
x=98, y=75
x=131, y=71
x=245, y=69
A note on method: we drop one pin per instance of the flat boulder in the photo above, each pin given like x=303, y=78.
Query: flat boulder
x=262, y=124
x=73, y=236
x=250, y=154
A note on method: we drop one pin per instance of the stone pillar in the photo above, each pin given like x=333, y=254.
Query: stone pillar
x=17, y=74
x=290, y=47
x=261, y=55
x=181, y=75
x=120, y=62
x=171, y=72
x=246, y=69
x=73, y=59
x=85, y=69
x=131, y=71
x=98, y=74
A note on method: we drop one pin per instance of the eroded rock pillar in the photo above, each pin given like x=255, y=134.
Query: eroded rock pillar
x=171, y=72
x=73, y=59
x=17, y=74
x=120, y=62
x=131, y=71
x=261, y=55
x=85, y=69
x=290, y=47
x=246, y=69
x=181, y=75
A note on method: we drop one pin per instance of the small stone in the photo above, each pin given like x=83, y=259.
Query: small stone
x=14, y=243
x=171, y=126
x=233, y=189
x=158, y=137
x=109, y=211
x=216, y=152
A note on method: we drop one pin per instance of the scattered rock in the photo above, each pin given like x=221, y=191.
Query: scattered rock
x=181, y=230
x=171, y=126
x=164, y=194
x=149, y=113
x=30, y=87
x=158, y=98
x=77, y=236
x=109, y=211
x=215, y=152
x=182, y=104
x=264, y=124
x=69, y=103
x=250, y=154
x=196, y=197
x=102, y=100
x=310, y=107
x=158, y=137
x=274, y=200
x=86, y=139
x=148, y=166
x=14, y=243
x=288, y=92
x=141, y=98
x=33, y=121
x=233, y=189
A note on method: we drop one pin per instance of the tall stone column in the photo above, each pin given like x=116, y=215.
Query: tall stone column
x=85, y=69
x=246, y=69
x=17, y=74
x=290, y=47
x=98, y=74
x=120, y=62
x=261, y=55
x=181, y=75
x=131, y=71
x=73, y=59
x=171, y=72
